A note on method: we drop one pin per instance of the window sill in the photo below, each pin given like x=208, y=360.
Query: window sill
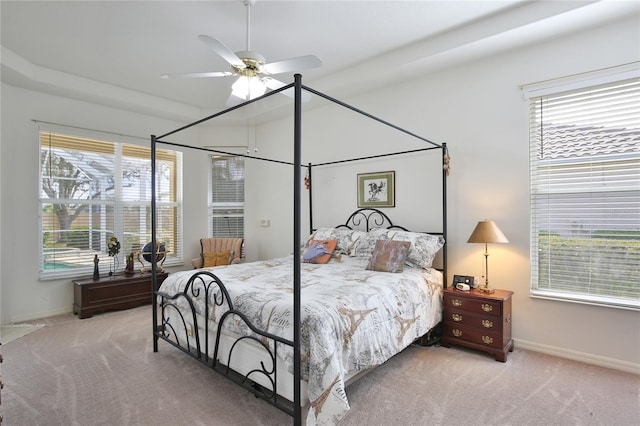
x=609, y=302
x=88, y=272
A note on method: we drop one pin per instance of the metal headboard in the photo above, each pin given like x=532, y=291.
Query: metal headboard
x=367, y=219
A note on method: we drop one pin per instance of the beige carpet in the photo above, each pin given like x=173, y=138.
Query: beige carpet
x=11, y=332
x=102, y=371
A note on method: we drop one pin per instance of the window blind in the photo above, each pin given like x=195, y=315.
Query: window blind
x=226, y=209
x=93, y=190
x=585, y=194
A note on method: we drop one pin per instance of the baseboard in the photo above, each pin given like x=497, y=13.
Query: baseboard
x=601, y=361
x=37, y=315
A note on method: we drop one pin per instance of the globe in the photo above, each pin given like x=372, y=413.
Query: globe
x=147, y=252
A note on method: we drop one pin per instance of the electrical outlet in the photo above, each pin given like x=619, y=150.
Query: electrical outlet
x=265, y=222
x=190, y=331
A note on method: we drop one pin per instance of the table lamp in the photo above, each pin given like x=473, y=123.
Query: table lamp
x=487, y=231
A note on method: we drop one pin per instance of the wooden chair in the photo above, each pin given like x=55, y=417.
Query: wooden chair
x=214, y=245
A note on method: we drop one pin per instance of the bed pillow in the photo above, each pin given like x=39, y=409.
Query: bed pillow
x=217, y=258
x=319, y=251
x=424, y=247
x=322, y=234
x=346, y=238
x=388, y=256
x=365, y=244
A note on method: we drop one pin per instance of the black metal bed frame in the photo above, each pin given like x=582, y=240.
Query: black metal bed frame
x=204, y=281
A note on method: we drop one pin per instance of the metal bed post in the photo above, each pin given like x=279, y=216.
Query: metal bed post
x=310, y=198
x=153, y=243
x=272, y=396
x=297, y=168
x=445, y=173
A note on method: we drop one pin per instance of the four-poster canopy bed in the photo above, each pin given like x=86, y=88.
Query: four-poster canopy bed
x=294, y=333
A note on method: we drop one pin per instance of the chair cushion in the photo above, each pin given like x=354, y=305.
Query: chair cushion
x=213, y=245
x=217, y=258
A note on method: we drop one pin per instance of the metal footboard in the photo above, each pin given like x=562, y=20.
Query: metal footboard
x=203, y=294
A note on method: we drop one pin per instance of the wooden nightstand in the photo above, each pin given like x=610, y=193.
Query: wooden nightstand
x=478, y=320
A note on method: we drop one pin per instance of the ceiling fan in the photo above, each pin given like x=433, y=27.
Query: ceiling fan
x=254, y=73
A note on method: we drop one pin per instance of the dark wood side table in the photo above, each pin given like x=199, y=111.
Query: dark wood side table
x=117, y=292
x=478, y=320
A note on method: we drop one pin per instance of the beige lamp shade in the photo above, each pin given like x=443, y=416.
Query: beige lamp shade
x=487, y=231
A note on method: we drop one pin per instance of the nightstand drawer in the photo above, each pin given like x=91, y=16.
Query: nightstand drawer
x=489, y=339
x=474, y=305
x=482, y=322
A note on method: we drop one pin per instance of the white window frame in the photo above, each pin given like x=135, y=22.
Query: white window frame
x=118, y=203
x=213, y=205
x=538, y=91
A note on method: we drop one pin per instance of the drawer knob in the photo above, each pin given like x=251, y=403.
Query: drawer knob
x=487, y=323
x=456, y=317
x=456, y=302
x=508, y=319
x=456, y=332
x=487, y=340
x=486, y=307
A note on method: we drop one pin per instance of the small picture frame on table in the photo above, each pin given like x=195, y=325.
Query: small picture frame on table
x=376, y=189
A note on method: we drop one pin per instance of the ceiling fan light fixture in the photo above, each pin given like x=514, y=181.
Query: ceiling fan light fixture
x=248, y=88
x=254, y=73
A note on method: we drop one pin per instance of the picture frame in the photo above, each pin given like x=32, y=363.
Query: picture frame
x=377, y=189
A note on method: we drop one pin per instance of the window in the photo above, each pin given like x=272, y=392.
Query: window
x=92, y=190
x=226, y=208
x=585, y=193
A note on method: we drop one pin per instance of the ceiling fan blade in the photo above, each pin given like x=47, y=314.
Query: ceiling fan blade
x=222, y=50
x=198, y=74
x=274, y=84
x=294, y=64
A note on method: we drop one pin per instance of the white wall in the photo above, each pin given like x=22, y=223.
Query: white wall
x=478, y=109
x=475, y=107
x=24, y=296
x=1, y=181
x=488, y=135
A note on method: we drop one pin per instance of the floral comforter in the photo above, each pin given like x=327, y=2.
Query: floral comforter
x=351, y=318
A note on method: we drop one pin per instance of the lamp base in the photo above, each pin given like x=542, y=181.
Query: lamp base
x=486, y=289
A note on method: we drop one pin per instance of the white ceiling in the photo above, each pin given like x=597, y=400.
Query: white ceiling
x=113, y=52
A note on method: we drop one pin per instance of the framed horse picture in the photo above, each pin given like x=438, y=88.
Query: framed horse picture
x=376, y=189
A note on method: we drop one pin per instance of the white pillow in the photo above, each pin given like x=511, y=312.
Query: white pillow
x=346, y=237
x=424, y=247
x=365, y=244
